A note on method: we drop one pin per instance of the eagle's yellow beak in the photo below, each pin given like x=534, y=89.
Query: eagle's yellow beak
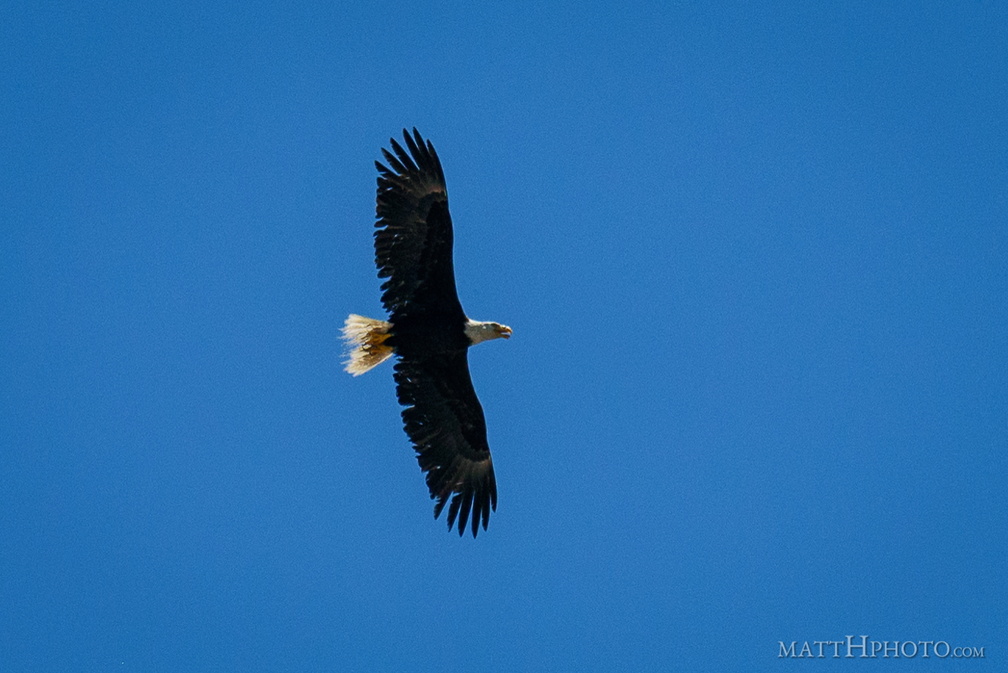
x=505, y=331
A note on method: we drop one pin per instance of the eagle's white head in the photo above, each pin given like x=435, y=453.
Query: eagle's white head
x=478, y=331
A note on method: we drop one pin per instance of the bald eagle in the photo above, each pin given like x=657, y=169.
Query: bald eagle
x=429, y=332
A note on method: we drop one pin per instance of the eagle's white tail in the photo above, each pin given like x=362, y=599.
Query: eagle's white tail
x=365, y=339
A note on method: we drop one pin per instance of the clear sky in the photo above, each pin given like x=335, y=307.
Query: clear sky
x=755, y=257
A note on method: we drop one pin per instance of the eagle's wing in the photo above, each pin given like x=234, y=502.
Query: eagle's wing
x=413, y=241
x=444, y=419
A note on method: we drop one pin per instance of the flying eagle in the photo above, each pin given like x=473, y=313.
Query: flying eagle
x=430, y=333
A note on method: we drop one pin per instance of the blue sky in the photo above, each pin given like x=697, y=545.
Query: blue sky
x=755, y=259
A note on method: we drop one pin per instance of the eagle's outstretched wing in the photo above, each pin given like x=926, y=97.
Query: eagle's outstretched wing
x=413, y=240
x=445, y=420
